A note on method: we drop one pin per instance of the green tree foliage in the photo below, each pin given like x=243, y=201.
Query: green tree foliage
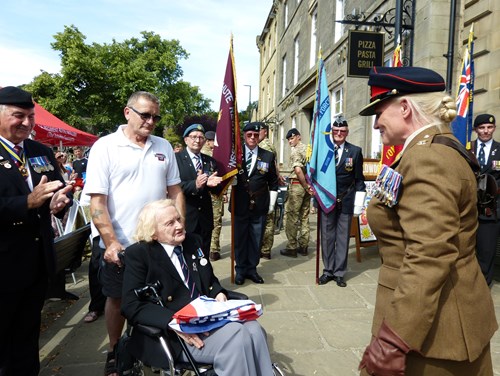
x=97, y=79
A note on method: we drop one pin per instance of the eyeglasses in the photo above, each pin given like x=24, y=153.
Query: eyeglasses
x=251, y=135
x=342, y=131
x=146, y=116
x=197, y=138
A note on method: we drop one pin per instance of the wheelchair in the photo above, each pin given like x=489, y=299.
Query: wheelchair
x=156, y=339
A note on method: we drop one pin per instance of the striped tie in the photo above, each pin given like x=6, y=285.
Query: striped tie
x=187, y=280
x=249, y=160
x=336, y=155
x=199, y=167
x=19, y=151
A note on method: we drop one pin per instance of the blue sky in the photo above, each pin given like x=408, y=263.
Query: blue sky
x=203, y=28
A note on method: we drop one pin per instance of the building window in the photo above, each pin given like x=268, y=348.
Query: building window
x=294, y=121
x=339, y=15
x=283, y=89
x=285, y=16
x=296, y=60
x=274, y=90
x=336, y=102
x=282, y=143
x=313, y=56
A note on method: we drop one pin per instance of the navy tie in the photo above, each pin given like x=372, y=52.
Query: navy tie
x=336, y=155
x=187, y=280
x=482, y=157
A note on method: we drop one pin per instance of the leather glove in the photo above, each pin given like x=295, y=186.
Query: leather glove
x=273, y=195
x=386, y=354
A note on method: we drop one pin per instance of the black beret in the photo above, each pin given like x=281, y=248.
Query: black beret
x=264, y=126
x=388, y=82
x=192, y=128
x=210, y=135
x=14, y=96
x=484, y=119
x=253, y=126
x=292, y=132
x=339, y=121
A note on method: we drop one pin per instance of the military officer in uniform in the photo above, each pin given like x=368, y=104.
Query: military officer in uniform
x=487, y=151
x=299, y=199
x=433, y=314
x=255, y=196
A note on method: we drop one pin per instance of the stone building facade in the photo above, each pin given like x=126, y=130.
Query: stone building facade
x=297, y=30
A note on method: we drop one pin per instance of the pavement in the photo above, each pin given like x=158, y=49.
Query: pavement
x=312, y=330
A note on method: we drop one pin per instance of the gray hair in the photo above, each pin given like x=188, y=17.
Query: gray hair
x=433, y=108
x=142, y=94
x=146, y=223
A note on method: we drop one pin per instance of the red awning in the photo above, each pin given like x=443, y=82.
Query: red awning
x=51, y=130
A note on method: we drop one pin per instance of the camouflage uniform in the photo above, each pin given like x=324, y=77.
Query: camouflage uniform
x=267, y=242
x=218, y=209
x=297, y=205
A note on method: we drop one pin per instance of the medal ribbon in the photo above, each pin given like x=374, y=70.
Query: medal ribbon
x=18, y=159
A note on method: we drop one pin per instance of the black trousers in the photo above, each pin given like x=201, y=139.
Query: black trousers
x=97, y=298
x=486, y=245
x=20, y=319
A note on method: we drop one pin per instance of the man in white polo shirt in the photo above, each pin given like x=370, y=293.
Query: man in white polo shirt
x=127, y=170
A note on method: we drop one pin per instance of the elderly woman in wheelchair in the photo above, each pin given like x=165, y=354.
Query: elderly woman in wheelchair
x=173, y=262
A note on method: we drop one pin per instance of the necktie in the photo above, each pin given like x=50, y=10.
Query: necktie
x=187, y=280
x=482, y=158
x=336, y=155
x=199, y=167
x=249, y=160
x=19, y=151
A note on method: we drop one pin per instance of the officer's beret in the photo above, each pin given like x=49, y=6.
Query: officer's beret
x=192, y=128
x=484, y=119
x=388, y=82
x=210, y=135
x=14, y=96
x=339, y=121
x=252, y=126
x=292, y=132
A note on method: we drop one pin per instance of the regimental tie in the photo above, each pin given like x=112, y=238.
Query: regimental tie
x=249, y=160
x=19, y=159
x=336, y=155
x=187, y=280
x=482, y=157
x=199, y=167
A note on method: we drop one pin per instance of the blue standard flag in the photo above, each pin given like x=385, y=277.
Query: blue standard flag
x=462, y=125
x=321, y=152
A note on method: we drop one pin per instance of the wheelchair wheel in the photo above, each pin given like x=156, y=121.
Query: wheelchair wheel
x=277, y=371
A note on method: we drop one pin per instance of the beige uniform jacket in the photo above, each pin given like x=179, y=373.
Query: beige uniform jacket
x=430, y=289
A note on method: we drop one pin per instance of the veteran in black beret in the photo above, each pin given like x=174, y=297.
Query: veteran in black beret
x=433, y=314
x=255, y=195
x=198, y=173
x=487, y=152
x=31, y=189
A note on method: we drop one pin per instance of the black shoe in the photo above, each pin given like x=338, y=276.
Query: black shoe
x=239, y=280
x=303, y=251
x=324, y=279
x=340, y=282
x=256, y=278
x=266, y=255
x=289, y=252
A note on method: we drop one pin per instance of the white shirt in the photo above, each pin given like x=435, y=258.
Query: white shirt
x=194, y=159
x=254, y=151
x=131, y=176
x=21, y=144
x=175, y=260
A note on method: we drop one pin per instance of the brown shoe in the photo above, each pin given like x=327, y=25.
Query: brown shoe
x=289, y=252
x=303, y=251
x=91, y=316
x=266, y=255
x=214, y=256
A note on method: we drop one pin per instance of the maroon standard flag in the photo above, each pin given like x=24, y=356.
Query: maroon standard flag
x=227, y=150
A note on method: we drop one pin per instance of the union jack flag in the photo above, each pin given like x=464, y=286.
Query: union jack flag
x=462, y=125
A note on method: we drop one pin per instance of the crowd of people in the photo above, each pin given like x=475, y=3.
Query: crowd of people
x=154, y=205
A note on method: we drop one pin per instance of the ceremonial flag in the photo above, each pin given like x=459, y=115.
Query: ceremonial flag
x=462, y=125
x=227, y=150
x=321, y=150
x=390, y=152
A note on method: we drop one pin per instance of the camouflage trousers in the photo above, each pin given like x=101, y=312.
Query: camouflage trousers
x=218, y=209
x=297, y=217
x=268, y=240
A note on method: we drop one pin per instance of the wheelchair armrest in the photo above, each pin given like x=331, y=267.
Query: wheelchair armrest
x=234, y=295
x=147, y=330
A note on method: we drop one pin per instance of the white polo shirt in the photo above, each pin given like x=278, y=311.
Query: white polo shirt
x=130, y=176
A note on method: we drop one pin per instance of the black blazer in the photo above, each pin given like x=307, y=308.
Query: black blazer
x=147, y=263
x=252, y=190
x=489, y=169
x=198, y=202
x=26, y=236
x=349, y=175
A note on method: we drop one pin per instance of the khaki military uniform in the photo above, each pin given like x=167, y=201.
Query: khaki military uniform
x=431, y=291
x=268, y=241
x=298, y=204
x=218, y=210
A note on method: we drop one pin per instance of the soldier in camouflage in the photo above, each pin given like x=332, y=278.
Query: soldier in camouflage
x=299, y=199
x=217, y=203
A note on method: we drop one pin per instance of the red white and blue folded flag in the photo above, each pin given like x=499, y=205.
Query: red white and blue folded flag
x=205, y=314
